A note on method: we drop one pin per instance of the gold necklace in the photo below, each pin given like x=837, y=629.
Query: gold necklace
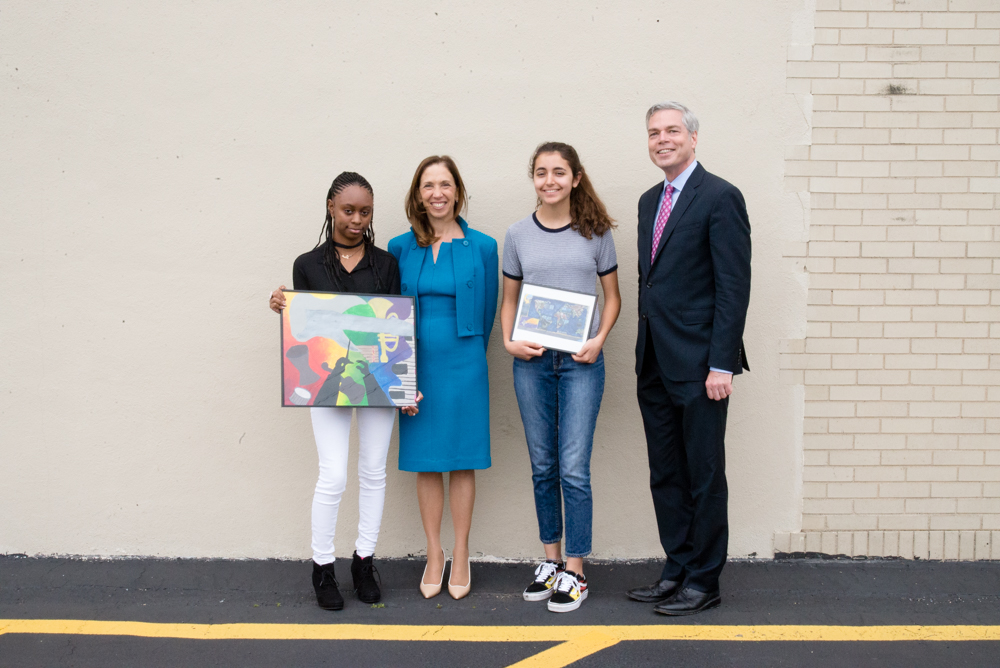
x=360, y=246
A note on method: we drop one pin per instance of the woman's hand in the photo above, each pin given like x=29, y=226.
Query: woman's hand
x=590, y=350
x=413, y=410
x=523, y=350
x=277, y=301
x=612, y=307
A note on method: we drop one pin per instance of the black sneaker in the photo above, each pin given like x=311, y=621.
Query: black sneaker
x=363, y=571
x=327, y=590
x=570, y=592
x=545, y=580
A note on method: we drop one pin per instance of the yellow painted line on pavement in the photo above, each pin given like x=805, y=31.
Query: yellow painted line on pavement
x=568, y=652
x=562, y=634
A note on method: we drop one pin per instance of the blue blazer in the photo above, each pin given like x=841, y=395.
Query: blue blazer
x=476, y=277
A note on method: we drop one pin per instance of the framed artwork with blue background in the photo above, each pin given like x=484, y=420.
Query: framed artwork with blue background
x=557, y=319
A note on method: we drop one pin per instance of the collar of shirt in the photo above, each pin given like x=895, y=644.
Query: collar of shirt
x=679, y=182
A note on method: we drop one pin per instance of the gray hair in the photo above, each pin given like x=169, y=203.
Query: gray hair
x=690, y=120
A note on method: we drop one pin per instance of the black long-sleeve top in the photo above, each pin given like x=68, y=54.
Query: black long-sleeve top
x=310, y=273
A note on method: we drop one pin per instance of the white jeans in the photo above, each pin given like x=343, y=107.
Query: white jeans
x=332, y=429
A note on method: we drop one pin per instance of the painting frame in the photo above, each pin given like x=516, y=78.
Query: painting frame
x=565, y=334
x=367, y=340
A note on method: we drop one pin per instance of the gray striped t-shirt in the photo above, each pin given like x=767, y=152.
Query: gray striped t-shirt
x=562, y=258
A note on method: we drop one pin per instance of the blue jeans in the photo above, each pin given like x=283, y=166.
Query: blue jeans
x=559, y=401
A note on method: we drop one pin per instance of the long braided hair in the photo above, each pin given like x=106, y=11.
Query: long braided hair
x=331, y=257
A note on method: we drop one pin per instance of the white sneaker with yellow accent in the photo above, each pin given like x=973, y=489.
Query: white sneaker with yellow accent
x=544, y=583
x=570, y=592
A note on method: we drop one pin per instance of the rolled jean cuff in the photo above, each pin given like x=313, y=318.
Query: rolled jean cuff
x=578, y=556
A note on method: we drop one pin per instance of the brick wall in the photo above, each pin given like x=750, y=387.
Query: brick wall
x=901, y=360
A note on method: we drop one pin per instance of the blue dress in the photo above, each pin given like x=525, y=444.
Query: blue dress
x=452, y=430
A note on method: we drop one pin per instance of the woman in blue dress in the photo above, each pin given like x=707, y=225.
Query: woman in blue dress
x=452, y=270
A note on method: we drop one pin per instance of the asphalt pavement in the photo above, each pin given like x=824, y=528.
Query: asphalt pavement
x=263, y=613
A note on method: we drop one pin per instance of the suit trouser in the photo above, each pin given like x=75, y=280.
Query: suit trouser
x=685, y=441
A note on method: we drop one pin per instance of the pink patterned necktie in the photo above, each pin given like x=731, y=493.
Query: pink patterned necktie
x=661, y=220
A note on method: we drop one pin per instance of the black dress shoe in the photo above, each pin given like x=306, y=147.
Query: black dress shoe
x=688, y=602
x=660, y=590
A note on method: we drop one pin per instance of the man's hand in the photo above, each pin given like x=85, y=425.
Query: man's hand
x=719, y=385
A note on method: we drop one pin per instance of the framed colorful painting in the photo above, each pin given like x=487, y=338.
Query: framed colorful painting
x=347, y=350
x=557, y=319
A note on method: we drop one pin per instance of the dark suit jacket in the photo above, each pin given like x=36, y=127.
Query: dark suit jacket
x=695, y=292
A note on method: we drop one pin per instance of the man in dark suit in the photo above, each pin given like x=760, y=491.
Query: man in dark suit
x=694, y=288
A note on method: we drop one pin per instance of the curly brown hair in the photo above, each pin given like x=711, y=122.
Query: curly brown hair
x=588, y=214
x=415, y=211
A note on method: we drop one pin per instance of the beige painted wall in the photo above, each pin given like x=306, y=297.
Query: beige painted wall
x=163, y=165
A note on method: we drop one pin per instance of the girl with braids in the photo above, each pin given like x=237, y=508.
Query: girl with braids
x=566, y=244
x=346, y=260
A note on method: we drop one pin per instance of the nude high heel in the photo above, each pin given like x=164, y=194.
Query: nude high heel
x=459, y=591
x=432, y=590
